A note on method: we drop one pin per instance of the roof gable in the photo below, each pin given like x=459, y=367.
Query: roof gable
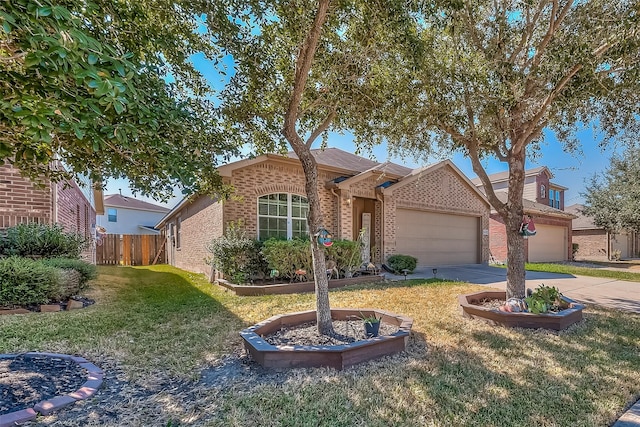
x=120, y=201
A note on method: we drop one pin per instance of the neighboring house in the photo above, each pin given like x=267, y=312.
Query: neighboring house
x=66, y=203
x=543, y=200
x=596, y=243
x=433, y=213
x=127, y=215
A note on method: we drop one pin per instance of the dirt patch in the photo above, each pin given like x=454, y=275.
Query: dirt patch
x=347, y=331
x=28, y=380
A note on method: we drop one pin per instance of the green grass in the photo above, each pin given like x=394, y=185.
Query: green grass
x=164, y=322
x=582, y=271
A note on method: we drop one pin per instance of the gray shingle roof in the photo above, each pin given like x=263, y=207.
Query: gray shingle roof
x=120, y=201
x=338, y=158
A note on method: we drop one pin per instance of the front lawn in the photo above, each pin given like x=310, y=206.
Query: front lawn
x=583, y=271
x=169, y=343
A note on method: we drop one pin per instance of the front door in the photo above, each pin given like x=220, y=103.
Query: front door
x=364, y=217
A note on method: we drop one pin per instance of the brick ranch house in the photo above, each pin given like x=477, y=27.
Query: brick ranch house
x=433, y=213
x=64, y=203
x=595, y=243
x=543, y=200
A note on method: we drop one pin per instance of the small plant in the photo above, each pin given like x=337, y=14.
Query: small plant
x=399, y=263
x=85, y=271
x=574, y=250
x=370, y=319
x=41, y=241
x=237, y=256
x=24, y=281
x=545, y=299
x=615, y=255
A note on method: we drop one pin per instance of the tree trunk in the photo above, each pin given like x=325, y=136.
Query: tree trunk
x=314, y=220
x=512, y=216
x=309, y=166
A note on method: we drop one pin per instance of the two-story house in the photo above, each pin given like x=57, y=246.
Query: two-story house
x=543, y=201
x=127, y=215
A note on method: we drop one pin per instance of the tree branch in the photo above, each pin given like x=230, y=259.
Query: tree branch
x=303, y=66
x=323, y=126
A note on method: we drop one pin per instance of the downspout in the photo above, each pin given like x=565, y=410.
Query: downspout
x=333, y=191
x=382, y=236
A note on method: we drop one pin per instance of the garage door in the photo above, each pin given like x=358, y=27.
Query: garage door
x=438, y=239
x=549, y=244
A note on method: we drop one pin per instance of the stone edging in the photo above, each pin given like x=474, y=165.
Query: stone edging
x=95, y=376
x=296, y=287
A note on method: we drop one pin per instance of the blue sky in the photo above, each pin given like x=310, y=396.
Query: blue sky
x=571, y=171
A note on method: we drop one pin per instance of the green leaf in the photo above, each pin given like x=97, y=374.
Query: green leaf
x=118, y=106
x=6, y=27
x=44, y=11
x=93, y=59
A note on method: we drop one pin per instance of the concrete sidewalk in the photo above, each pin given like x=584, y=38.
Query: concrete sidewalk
x=606, y=292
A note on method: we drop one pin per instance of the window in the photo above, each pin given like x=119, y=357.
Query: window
x=543, y=191
x=551, y=197
x=557, y=199
x=112, y=214
x=282, y=215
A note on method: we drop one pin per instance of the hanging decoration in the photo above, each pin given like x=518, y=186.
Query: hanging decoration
x=324, y=237
x=527, y=228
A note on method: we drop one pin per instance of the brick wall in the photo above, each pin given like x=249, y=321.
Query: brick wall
x=21, y=201
x=592, y=244
x=274, y=177
x=498, y=235
x=200, y=222
x=438, y=190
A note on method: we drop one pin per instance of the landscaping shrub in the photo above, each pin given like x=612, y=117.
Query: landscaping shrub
x=238, y=257
x=41, y=240
x=402, y=262
x=24, y=281
x=85, y=271
x=287, y=256
x=346, y=254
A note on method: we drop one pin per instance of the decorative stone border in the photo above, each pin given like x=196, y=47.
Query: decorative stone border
x=555, y=321
x=95, y=376
x=296, y=287
x=334, y=356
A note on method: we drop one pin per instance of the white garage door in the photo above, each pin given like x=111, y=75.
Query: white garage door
x=549, y=244
x=438, y=239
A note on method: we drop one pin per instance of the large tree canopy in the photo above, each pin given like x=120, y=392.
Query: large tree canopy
x=304, y=68
x=87, y=82
x=498, y=72
x=613, y=199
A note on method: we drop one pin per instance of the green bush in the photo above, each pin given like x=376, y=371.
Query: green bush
x=42, y=241
x=24, y=281
x=287, y=256
x=87, y=272
x=346, y=254
x=238, y=257
x=402, y=262
x=544, y=299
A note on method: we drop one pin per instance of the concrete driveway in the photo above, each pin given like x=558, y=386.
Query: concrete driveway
x=590, y=290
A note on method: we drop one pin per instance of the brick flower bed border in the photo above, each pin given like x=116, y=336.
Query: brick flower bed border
x=95, y=376
x=334, y=356
x=554, y=321
x=296, y=287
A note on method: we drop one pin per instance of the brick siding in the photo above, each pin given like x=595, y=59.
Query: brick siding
x=21, y=201
x=200, y=222
x=498, y=235
x=438, y=190
x=592, y=244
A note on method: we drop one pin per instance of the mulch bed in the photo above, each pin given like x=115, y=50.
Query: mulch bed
x=347, y=331
x=26, y=381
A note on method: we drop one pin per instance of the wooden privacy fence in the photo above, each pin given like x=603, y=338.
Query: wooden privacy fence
x=128, y=249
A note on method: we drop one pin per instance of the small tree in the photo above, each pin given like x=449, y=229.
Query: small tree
x=613, y=199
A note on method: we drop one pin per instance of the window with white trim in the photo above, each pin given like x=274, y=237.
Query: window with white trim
x=557, y=199
x=543, y=191
x=551, y=197
x=283, y=216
